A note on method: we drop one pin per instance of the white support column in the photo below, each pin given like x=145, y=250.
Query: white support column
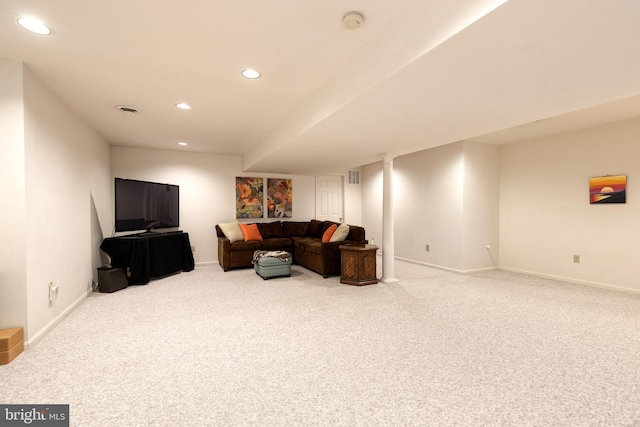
x=388, y=252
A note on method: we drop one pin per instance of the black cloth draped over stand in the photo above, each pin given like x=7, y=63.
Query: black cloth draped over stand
x=150, y=255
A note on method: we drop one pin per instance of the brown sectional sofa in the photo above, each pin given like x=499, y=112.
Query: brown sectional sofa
x=302, y=239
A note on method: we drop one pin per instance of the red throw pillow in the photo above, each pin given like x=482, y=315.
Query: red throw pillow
x=327, y=234
x=250, y=232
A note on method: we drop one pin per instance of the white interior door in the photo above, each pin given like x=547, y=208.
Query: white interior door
x=329, y=198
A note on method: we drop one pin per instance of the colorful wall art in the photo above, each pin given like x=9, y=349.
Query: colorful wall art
x=608, y=189
x=279, y=198
x=249, y=197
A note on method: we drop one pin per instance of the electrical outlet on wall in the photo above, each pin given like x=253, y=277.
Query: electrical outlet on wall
x=53, y=292
x=426, y=248
x=576, y=259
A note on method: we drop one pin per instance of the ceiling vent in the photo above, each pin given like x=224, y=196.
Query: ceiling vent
x=353, y=177
x=126, y=109
x=353, y=20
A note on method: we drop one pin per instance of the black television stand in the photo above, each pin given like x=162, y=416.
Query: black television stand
x=150, y=255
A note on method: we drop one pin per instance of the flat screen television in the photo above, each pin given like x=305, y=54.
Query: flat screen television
x=143, y=205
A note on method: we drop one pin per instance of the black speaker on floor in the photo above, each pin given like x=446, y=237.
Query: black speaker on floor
x=111, y=279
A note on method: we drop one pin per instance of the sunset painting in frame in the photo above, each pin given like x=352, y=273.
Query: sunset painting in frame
x=608, y=189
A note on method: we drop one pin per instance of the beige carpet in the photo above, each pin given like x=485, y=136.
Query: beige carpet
x=209, y=348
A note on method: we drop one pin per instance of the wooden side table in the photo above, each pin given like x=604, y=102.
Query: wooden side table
x=358, y=264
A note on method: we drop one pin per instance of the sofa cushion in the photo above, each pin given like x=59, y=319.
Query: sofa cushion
x=326, y=236
x=270, y=230
x=340, y=234
x=251, y=232
x=314, y=248
x=277, y=243
x=316, y=229
x=232, y=231
x=309, y=244
x=327, y=224
x=294, y=229
x=246, y=246
x=356, y=233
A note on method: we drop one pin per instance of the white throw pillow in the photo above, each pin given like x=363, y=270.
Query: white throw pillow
x=340, y=234
x=232, y=231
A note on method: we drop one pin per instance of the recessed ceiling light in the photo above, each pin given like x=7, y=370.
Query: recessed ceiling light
x=183, y=106
x=34, y=25
x=251, y=74
x=182, y=143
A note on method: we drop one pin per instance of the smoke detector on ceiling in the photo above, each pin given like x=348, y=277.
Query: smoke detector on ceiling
x=126, y=109
x=353, y=20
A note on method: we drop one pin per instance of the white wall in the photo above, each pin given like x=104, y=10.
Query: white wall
x=445, y=197
x=428, y=206
x=545, y=215
x=13, y=257
x=481, y=188
x=207, y=189
x=352, y=201
x=67, y=191
x=371, y=192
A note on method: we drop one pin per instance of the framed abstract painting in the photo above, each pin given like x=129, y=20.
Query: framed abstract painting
x=249, y=197
x=608, y=189
x=279, y=198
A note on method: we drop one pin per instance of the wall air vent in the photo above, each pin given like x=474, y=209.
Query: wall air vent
x=353, y=177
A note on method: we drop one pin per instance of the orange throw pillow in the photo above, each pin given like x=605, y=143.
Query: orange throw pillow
x=327, y=234
x=251, y=232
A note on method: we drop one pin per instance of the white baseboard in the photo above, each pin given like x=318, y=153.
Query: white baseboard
x=206, y=263
x=453, y=270
x=528, y=273
x=571, y=280
x=49, y=326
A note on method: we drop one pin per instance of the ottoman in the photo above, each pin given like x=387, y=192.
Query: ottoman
x=268, y=267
